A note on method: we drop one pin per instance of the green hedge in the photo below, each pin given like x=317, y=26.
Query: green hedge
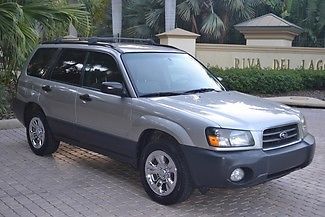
x=267, y=81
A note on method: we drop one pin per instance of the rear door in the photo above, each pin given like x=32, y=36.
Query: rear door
x=59, y=93
x=103, y=120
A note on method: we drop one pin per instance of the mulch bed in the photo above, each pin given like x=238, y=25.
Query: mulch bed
x=9, y=115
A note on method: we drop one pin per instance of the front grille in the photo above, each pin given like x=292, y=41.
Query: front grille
x=280, y=136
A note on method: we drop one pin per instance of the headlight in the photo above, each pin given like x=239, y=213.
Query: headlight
x=225, y=138
x=303, y=125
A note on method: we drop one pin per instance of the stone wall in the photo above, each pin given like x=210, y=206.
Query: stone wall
x=243, y=56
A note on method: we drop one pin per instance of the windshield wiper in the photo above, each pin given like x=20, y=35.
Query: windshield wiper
x=159, y=94
x=201, y=90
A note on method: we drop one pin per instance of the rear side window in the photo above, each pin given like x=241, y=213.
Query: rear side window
x=40, y=62
x=69, y=67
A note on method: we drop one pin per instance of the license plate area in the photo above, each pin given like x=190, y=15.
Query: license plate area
x=284, y=162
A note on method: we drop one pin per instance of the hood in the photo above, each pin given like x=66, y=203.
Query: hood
x=230, y=109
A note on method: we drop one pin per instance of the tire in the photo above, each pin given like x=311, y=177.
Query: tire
x=181, y=188
x=39, y=135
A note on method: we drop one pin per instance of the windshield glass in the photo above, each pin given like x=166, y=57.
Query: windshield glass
x=167, y=74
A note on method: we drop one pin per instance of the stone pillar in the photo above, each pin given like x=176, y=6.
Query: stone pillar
x=269, y=39
x=72, y=31
x=180, y=39
x=269, y=30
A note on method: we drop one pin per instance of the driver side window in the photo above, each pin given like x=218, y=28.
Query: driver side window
x=100, y=68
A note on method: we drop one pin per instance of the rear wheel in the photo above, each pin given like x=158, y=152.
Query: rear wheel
x=164, y=174
x=39, y=135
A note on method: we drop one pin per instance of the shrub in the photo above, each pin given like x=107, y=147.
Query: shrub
x=267, y=81
x=313, y=80
x=3, y=101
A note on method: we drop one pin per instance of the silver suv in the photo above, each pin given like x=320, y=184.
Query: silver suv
x=159, y=109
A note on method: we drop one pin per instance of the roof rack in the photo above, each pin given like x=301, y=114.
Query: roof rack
x=95, y=40
x=105, y=41
x=120, y=40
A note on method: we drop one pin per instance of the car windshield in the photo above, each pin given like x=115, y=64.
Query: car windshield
x=167, y=74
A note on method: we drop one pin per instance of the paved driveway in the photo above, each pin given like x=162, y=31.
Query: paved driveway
x=75, y=182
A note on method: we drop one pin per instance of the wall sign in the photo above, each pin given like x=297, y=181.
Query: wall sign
x=241, y=63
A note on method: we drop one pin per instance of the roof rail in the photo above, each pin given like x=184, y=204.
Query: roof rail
x=105, y=41
x=95, y=40
x=168, y=46
x=88, y=41
x=120, y=40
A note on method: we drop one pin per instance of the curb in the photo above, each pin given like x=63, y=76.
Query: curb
x=299, y=101
x=10, y=124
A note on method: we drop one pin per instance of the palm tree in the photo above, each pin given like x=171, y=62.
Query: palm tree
x=117, y=17
x=203, y=17
x=21, y=25
x=100, y=15
x=170, y=14
x=308, y=14
x=210, y=18
x=144, y=18
x=281, y=7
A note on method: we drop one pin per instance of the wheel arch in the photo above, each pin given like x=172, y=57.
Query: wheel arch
x=148, y=122
x=153, y=135
x=29, y=108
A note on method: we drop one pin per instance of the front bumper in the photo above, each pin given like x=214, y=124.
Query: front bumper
x=212, y=168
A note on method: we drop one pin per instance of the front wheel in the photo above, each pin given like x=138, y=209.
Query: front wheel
x=164, y=174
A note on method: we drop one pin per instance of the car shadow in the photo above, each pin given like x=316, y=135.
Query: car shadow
x=239, y=200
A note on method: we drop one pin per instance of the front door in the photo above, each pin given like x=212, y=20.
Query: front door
x=103, y=120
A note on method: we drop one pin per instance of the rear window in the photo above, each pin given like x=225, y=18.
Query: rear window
x=40, y=62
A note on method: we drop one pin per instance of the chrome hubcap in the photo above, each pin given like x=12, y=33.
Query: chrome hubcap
x=36, y=132
x=161, y=173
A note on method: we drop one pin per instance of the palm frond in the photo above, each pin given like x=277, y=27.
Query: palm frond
x=212, y=25
x=184, y=11
x=188, y=8
x=10, y=13
x=152, y=17
x=21, y=23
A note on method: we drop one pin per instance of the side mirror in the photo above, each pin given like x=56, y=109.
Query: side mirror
x=114, y=88
x=219, y=78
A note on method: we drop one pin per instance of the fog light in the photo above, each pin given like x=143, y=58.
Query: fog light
x=237, y=175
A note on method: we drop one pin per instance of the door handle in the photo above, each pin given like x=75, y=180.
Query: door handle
x=46, y=88
x=85, y=97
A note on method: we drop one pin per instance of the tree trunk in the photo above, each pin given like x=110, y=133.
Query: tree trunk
x=117, y=17
x=224, y=33
x=194, y=25
x=170, y=14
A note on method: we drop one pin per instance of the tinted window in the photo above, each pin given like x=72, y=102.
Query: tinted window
x=40, y=62
x=69, y=66
x=100, y=68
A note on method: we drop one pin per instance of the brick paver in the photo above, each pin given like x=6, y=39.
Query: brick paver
x=76, y=182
